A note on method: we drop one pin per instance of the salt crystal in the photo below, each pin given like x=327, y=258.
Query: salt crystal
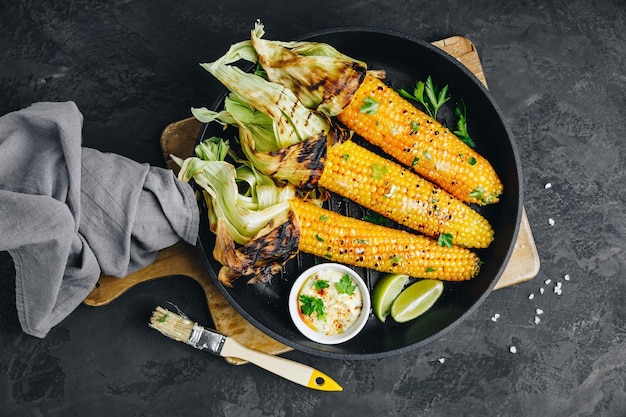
x=442, y=360
x=551, y=221
x=513, y=349
x=548, y=281
x=537, y=320
x=566, y=277
x=541, y=290
x=539, y=311
x=531, y=296
x=548, y=185
x=495, y=317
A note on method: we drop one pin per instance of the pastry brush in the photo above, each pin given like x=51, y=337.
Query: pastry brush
x=182, y=329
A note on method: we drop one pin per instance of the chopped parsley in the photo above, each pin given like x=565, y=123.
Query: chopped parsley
x=377, y=219
x=324, y=218
x=321, y=284
x=378, y=172
x=472, y=161
x=415, y=127
x=395, y=259
x=319, y=238
x=345, y=285
x=478, y=193
x=370, y=106
x=445, y=239
x=310, y=305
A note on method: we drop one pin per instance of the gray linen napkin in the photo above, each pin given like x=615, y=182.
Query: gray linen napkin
x=70, y=213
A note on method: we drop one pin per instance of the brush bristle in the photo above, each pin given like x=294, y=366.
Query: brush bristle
x=171, y=324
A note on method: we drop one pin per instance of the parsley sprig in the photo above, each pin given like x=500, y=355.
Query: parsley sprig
x=433, y=99
x=445, y=240
x=377, y=219
x=461, y=125
x=320, y=285
x=345, y=285
x=427, y=94
x=379, y=171
x=310, y=305
x=370, y=106
x=478, y=193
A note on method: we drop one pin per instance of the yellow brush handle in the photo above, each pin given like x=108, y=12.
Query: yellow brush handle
x=288, y=369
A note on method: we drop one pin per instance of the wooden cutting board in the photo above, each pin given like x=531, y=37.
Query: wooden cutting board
x=184, y=260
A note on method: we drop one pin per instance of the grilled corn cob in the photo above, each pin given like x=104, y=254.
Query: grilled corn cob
x=385, y=119
x=355, y=242
x=348, y=169
x=398, y=194
x=294, y=225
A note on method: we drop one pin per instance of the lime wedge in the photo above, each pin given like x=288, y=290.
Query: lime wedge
x=416, y=299
x=385, y=291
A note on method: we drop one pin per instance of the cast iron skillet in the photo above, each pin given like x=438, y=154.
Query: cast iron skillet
x=406, y=60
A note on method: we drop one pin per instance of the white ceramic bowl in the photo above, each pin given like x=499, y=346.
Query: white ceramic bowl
x=316, y=336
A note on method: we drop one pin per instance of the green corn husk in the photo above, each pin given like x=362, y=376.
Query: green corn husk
x=255, y=228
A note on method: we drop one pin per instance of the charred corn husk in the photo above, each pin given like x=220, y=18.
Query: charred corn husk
x=355, y=242
x=322, y=77
x=398, y=194
x=263, y=256
x=382, y=117
x=256, y=230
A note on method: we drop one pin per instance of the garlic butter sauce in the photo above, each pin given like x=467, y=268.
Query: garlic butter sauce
x=341, y=308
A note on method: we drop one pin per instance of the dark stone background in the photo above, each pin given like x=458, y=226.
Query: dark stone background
x=557, y=71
